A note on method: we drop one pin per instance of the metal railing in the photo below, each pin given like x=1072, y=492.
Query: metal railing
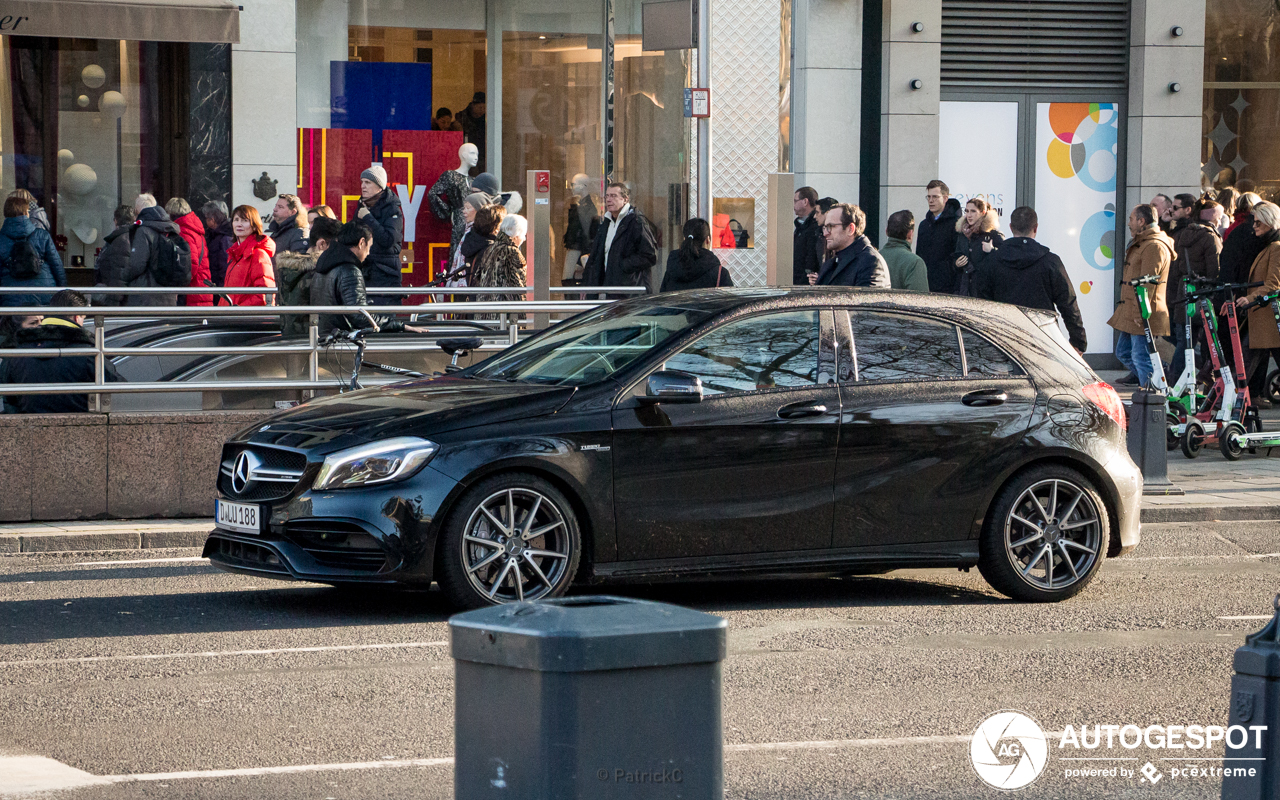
x=513, y=316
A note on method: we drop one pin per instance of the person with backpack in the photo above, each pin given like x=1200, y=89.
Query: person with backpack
x=27, y=256
x=192, y=229
x=158, y=257
x=249, y=259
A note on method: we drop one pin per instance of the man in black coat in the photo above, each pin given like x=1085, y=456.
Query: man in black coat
x=936, y=238
x=114, y=258
x=856, y=262
x=624, y=251
x=1026, y=273
x=339, y=281
x=808, y=234
x=53, y=333
x=380, y=210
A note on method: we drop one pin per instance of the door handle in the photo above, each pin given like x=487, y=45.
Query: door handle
x=802, y=409
x=985, y=397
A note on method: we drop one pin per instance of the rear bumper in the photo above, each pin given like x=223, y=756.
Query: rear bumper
x=1126, y=479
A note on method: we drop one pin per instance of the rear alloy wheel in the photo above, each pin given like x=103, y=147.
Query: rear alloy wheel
x=1046, y=536
x=510, y=538
x=1228, y=443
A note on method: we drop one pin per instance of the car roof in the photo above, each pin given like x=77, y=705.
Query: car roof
x=718, y=301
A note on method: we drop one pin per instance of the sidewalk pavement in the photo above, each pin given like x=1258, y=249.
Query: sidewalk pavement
x=1215, y=489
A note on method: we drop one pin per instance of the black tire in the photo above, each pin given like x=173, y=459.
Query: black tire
x=1192, y=438
x=1273, y=386
x=466, y=567
x=1226, y=441
x=1008, y=544
x=1171, y=422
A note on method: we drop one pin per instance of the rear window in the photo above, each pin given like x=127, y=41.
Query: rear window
x=1048, y=323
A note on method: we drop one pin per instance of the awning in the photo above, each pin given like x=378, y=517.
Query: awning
x=144, y=20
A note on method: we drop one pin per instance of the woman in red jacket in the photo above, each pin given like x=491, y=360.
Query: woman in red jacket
x=192, y=229
x=249, y=259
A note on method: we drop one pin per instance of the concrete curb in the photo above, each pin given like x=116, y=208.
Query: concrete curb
x=73, y=541
x=151, y=536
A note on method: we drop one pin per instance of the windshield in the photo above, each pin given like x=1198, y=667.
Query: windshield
x=592, y=347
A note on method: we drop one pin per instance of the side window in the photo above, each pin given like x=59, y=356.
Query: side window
x=984, y=359
x=765, y=352
x=890, y=347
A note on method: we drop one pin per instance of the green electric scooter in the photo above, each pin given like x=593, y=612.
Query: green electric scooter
x=1141, y=289
x=1185, y=397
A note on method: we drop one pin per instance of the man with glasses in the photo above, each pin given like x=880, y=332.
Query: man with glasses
x=936, y=237
x=856, y=262
x=624, y=251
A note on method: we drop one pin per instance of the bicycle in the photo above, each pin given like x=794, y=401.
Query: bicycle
x=454, y=347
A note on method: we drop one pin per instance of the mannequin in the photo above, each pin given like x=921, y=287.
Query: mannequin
x=584, y=221
x=448, y=195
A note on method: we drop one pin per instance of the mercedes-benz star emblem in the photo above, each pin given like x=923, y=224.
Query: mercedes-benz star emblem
x=242, y=473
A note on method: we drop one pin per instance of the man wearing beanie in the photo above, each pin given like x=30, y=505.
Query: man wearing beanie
x=380, y=210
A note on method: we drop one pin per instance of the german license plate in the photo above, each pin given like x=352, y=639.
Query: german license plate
x=239, y=517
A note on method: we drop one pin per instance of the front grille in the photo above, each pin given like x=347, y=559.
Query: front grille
x=338, y=544
x=244, y=554
x=276, y=475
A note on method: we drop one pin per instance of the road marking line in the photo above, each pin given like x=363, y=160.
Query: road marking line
x=835, y=744
x=139, y=561
x=1183, y=558
x=253, y=771
x=221, y=653
x=29, y=774
x=1249, y=617
x=447, y=761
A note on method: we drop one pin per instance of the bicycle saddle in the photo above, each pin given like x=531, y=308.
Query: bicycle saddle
x=452, y=346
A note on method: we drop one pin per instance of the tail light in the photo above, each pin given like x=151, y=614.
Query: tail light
x=1104, y=397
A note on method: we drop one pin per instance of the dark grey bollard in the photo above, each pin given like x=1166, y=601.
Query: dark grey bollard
x=1148, y=430
x=588, y=697
x=1255, y=701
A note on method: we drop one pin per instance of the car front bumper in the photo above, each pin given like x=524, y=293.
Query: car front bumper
x=382, y=534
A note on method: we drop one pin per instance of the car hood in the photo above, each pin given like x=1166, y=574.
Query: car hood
x=414, y=408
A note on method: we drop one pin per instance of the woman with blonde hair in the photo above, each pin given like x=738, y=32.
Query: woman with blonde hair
x=319, y=211
x=288, y=228
x=249, y=259
x=980, y=234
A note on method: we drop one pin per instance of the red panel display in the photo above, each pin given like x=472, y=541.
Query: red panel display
x=330, y=161
x=416, y=159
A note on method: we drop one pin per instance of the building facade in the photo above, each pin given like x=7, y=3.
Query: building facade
x=1080, y=108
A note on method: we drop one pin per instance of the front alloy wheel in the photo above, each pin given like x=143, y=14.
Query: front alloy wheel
x=1047, y=536
x=512, y=538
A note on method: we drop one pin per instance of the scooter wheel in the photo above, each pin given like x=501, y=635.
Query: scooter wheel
x=1228, y=443
x=1192, y=439
x=1273, y=386
x=1171, y=422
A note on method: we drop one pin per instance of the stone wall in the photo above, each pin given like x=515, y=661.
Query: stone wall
x=113, y=466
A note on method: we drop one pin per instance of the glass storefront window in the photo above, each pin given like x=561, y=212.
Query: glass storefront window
x=1242, y=95
x=651, y=134
x=88, y=124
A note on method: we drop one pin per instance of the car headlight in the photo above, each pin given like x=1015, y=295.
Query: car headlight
x=379, y=462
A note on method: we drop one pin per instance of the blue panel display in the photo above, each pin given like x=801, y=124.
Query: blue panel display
x=377, y=96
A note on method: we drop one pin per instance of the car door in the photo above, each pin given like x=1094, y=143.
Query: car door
x=922, y=431
x=749, y=469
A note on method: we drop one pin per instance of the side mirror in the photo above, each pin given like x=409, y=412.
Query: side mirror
x=671, y=386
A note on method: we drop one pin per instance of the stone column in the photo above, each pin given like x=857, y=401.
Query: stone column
x=1164, y=126
x=909, y=117
x=264, y=133
x=826, y=116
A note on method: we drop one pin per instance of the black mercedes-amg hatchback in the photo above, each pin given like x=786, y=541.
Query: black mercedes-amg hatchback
x=713, y=432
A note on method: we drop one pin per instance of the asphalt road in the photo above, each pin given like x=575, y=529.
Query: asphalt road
x=832, y=687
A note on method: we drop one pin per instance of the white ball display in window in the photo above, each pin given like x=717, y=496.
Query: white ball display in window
x=79, y=179
x=93, y=76
x=83, y=101
x=65, y=158
x=112, y=105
